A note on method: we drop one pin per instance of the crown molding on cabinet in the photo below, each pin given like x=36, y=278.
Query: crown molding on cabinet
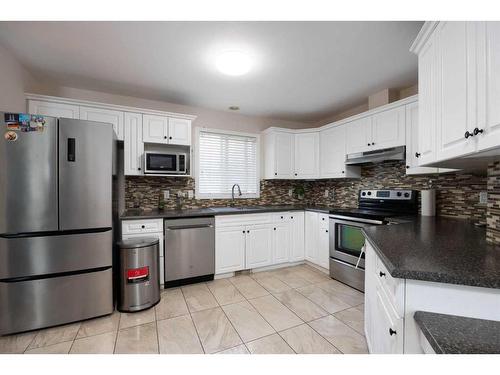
x=56, y=99
x=423, y=35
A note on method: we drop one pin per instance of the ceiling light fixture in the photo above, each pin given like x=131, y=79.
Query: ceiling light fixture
x=233, y=63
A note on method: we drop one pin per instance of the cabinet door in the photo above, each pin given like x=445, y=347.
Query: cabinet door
x=307, y=155
x=311, y=235
x=359, y=135
x=283, y=151
x=454, y=108
x=412, y=142
x=155, y=129
x=104, y=115
x=388, y=328
x=229, y=249
x=281, y=242
x=323, y=257
x=133, y=146
x=388, y=128
x=36, y=107
x=297, y=236
x=259, y=246
x=179, y=131
x=332, y=152
x=488, y=36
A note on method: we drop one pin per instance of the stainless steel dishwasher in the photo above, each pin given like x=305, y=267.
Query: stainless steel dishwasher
x=189, y=250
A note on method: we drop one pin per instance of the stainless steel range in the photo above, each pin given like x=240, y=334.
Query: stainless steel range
x=347, y=241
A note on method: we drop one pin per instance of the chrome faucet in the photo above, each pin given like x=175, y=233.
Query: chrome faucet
x=232, y=192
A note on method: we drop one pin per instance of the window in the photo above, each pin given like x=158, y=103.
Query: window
x=226, y=158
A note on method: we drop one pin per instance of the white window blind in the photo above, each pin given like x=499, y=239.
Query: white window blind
x=224, y=160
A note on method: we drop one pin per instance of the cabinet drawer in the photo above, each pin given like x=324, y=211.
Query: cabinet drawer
x=142, y=226
x=246, y=219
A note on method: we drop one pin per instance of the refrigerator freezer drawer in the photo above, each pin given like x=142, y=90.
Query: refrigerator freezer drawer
x=28, y=305
x=35, y=256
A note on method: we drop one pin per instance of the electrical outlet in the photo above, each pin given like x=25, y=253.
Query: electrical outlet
x=290, y=192
x=190, y=194
x=166, y=194
x=483, y=197
x=326, y=193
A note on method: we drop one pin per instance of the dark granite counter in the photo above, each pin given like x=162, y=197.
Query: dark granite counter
x=437, y=249
x=134, y=214
x=450, y=334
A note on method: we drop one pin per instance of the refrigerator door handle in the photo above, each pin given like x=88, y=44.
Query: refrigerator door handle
x=71, y=150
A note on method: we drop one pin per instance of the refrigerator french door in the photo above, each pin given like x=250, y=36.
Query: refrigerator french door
x=55, y=221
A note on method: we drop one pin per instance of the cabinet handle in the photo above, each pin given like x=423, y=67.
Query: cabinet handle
x=417, y=154
x=139, y=168
x=467, y=134
x=243, y=231
x=392, y=332
x=275, y=174
x=165, y=137
x=295, y=174
x=291, y=217
x=343, y=171
x=282, y=217
x=478, y=131
x=143, y=226
x=407, y=167
x=169, y=137
x=368, y=144
x=381, y=274
x=327, y=231
x=248, y=231
x=274, y=228
x=373, y=143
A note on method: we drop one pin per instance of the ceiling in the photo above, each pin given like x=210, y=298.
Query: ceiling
x=303, y=71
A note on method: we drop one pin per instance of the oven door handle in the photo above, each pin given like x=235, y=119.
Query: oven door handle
x=360, y=255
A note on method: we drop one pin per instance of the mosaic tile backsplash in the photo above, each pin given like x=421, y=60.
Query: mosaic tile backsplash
x=457, y=194
x=493, y=214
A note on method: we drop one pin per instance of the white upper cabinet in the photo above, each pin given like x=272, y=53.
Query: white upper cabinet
x=179, y=131
x=359, y=135
x=278, y=153
x=133, y=146
x=155, y=129
x=53, y=109
x=332, y=153
x=115, y=118
x=306, y=155
x=388, y=128
x=166, y=130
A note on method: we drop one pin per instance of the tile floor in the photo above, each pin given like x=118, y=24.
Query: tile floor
x=289, y=310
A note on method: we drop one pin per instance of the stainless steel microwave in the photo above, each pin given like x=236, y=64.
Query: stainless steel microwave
x=165, y=163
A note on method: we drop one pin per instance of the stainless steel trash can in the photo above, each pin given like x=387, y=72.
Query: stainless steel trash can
x=139, y=286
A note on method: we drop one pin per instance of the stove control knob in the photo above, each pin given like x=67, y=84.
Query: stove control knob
x=369, y=193
x=407, y=195
x=399, y=194
x=363, y=193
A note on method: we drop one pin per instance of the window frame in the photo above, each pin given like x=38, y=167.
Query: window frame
x=198, y=194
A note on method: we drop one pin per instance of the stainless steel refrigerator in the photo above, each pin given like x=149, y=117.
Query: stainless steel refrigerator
x=56, y=233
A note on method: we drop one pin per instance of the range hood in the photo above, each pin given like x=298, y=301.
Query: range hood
x=394, y=153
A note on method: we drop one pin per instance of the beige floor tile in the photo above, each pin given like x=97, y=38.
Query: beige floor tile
x=249, y=324
x=16, y=343
x=304, y=340
x=324, y=299
x=99, y=344
x=133, y=319
x=248, y=287
x=55, y=335
x=344, y=338
x=273, y=344
x=276, y=314
x=360, y=308
x=262, y=274
x=61, y=348
x=240, y=349
x=171, y=305
x=198, y=297
x=353, y=318
x=292, y=278
x=215, y=331
x=137, y=340
x=99, y=325
x=304, y=308
x=273, y=284
x=178, y=336
x=312, y=275
x=347, y=294
x=225, y=293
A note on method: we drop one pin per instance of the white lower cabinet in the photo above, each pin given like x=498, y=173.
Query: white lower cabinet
x=230, y=249
x=146, y=228
x=311, y=236
x=258, y=246
x=323, y=258
x=297, y=236
x=388, y=330
x=281, y=242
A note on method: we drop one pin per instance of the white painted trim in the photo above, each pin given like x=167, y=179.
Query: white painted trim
x=195, y=150
x=423, y=35
x=56, y=99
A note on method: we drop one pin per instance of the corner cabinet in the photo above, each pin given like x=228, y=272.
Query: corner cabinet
x=307, y=155
x=459, y=90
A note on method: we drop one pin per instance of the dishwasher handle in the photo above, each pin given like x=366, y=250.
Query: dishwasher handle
x=194, y=226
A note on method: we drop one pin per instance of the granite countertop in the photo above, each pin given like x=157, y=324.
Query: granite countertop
x=437, y=249
x=450, y=334
x=132, y=214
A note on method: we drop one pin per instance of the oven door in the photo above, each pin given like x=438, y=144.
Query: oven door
x=347, y=241
x=158, y=163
